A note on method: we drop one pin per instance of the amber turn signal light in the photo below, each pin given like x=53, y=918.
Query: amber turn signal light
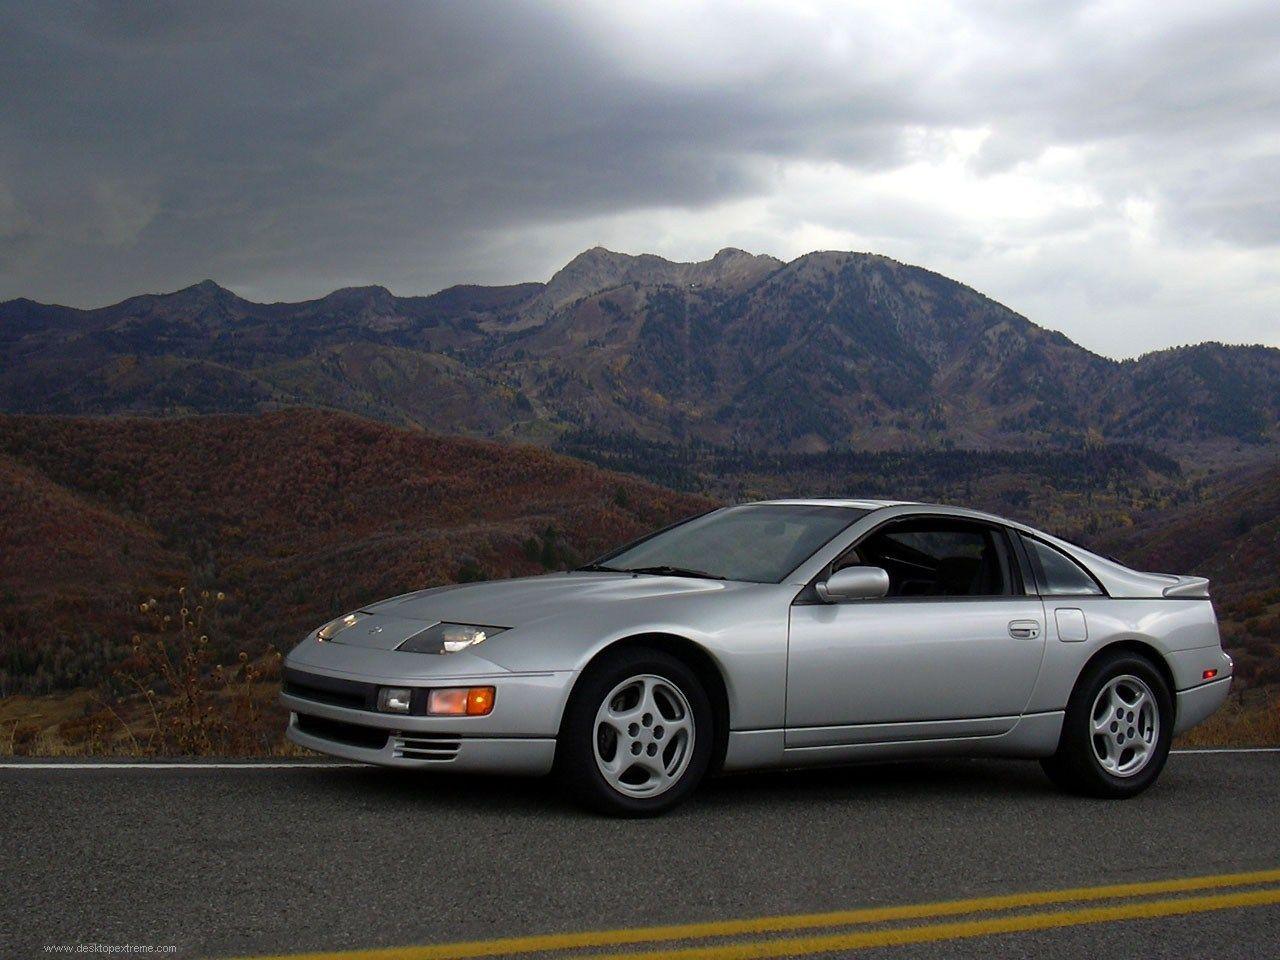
x=460, y=701
x=479, y=701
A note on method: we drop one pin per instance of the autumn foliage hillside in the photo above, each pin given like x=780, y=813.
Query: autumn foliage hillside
x=296, y=516
x=1228, y=531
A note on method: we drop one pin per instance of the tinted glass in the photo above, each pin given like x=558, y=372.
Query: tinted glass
x=946, y=559
x=1058, y=574
x=760, y=542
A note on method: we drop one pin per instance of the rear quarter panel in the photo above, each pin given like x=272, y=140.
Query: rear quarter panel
x=1183, y=632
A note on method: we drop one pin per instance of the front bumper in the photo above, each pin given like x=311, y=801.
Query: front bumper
x=517, y=737
x=531, y=756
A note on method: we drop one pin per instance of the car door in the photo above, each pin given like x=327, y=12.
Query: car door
x=953, y=650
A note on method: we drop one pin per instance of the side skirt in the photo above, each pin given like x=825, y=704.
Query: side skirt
x=1032, y=736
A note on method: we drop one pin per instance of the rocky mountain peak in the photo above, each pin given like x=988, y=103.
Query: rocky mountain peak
x=359, y=296
x=599, y=269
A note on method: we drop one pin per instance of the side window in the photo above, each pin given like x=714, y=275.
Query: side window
x=1057, y=573
x=941, y=558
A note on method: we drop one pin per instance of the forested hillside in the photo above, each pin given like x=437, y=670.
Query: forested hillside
x=1083, y=489
x=1227, y=529
x=295, y=516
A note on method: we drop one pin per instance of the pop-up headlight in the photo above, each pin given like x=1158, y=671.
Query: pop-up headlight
x=448, y=638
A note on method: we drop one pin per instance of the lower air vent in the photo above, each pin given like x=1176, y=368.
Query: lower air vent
x=426, y=746
x=352, y=734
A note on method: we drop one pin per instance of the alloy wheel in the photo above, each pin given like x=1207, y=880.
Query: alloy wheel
x=1124, y=725
x=643, y=736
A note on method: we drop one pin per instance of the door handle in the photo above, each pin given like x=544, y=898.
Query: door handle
x=1024, y=629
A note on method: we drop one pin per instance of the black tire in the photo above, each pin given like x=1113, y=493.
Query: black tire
x=575, y=751
x=1075, y=767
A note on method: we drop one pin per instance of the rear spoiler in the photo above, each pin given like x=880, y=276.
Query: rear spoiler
x=1188, y=588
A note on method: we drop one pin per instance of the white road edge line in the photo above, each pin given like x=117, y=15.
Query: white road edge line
x=305, y=765
x=161, y=765
x=1228, y=750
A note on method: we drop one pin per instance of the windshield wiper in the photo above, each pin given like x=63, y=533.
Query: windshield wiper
x=598, y=568
x=666, y=571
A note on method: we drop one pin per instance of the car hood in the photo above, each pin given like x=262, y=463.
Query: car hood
x=514, y=603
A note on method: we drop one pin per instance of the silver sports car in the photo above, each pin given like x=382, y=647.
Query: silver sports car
x=773, y=635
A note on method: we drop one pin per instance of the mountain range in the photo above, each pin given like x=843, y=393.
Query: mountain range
x=831, y=351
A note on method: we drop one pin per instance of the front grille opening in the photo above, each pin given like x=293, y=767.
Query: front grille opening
x=351, y=700
x=352, y=734
x=339, y=693
x=427, y=746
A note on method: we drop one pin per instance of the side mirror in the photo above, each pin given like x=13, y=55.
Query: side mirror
x=854, y=583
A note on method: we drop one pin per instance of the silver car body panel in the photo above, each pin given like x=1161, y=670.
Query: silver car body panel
x=804, y=682
x=909, y=661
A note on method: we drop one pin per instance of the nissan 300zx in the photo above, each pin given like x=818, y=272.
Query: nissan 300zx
x=776, y=634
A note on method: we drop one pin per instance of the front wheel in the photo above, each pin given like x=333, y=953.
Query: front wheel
x=637, y=733
x=1116, y=731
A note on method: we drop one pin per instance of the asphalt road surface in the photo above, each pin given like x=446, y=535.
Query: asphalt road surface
x=252, y=861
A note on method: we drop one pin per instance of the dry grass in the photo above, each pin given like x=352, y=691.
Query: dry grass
x=82, y=724
x=1250, y=718
x=169, y=698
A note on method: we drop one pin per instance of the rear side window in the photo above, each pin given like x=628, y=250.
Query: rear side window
x=1057, y=574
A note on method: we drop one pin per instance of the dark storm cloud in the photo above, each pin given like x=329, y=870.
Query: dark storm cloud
x=296, y=145
x=287, y=148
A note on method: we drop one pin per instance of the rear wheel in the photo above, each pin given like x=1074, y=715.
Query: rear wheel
x=1116, y=731
x=637, y=733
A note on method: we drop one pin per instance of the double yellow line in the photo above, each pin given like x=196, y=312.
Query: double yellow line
x=1137, y=901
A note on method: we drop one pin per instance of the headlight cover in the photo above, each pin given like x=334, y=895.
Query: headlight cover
x=448, y=638
x=335, y=627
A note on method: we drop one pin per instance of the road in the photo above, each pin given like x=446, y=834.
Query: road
x=223, y=862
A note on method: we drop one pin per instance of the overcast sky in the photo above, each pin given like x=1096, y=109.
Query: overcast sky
x=1111, y=170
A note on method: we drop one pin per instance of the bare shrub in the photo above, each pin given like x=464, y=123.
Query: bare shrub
x=178, y=700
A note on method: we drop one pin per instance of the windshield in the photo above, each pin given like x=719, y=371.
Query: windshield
x=759, y=542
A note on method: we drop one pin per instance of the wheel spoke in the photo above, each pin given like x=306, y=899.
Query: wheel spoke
x=1118, y=705
x=625, y=715
x=673, y=727
x=648, y=704
x=657, y=769
x=617, y=724
x=1110, y=755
